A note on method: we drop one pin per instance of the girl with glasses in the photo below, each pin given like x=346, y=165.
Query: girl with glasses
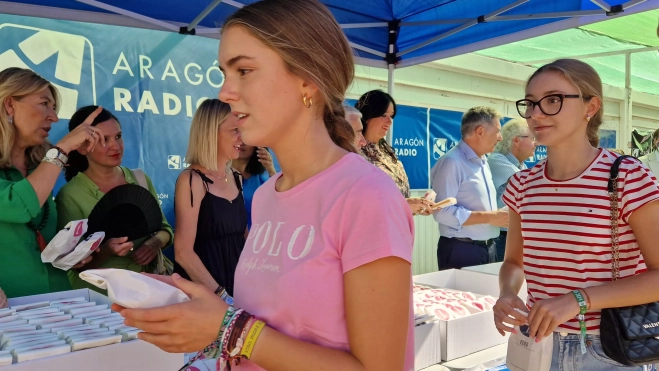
x=559, y=235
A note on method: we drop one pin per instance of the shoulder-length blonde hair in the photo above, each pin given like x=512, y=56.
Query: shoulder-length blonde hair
x=202, y=148
x=18, y=83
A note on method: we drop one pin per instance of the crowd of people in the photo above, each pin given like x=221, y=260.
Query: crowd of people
x=310, y=268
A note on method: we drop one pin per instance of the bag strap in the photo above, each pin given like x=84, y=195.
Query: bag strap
x=612, y=189
x=140, y=177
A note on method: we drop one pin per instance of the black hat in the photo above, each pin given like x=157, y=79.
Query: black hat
x=128, y=210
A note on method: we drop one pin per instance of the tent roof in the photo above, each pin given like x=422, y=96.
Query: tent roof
x=606, y=42
x=424, y=30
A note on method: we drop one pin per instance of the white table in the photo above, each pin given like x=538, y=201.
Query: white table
x=479, y=361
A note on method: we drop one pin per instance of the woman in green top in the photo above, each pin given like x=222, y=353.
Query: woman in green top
x=29, y=168
x=90, y=176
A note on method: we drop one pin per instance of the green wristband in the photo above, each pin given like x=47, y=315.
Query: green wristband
x=583, y=305
x=583, y=308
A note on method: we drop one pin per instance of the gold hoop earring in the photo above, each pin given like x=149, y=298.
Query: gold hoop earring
x=304, y=101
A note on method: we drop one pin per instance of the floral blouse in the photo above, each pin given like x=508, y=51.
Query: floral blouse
x=376, y=154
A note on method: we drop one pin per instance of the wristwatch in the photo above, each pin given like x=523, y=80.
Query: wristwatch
x=56, y=156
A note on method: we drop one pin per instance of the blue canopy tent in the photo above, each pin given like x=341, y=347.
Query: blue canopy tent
x=383, y=33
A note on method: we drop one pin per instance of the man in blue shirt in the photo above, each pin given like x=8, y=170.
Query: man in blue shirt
x=507, y=159
x=468, y=229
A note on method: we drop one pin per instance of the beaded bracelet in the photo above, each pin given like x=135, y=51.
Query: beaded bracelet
x=235, y=341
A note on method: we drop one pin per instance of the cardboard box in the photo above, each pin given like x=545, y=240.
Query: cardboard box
x=427, y=345
x=494, y=269
x=473, y=333
x=130, y=355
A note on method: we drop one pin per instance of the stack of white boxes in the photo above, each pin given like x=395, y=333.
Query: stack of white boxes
x=463, y=336
x=74, y=330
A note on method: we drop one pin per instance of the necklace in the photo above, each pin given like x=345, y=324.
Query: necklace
x=575, y=169
x=219, y=177
x=44, y=219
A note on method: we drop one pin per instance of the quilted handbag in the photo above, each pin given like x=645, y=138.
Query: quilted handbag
x=629, y=335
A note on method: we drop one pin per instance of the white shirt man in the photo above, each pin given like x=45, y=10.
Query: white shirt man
x=468, y=229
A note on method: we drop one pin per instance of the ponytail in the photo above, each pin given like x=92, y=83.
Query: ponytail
x=77, y=164
x=592, y=130
x=339, y=129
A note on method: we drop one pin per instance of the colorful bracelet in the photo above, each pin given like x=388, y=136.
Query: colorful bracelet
x=251, y=338
x=236, y=339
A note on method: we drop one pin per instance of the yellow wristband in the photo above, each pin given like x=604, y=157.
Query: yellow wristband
x=252, y=336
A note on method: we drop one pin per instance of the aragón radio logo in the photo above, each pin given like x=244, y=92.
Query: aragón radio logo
x=441, y=146
x=66, y=60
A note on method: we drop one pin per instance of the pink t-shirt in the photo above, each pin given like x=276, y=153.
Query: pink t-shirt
x=302, y=241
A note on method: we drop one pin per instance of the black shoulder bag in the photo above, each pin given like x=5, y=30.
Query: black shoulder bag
x=629, y=335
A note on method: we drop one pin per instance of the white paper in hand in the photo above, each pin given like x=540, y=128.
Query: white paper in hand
x=81, y=252
x=524, y=354
x=134, y=290
x=64, y=241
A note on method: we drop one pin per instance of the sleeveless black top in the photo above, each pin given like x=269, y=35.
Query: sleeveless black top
x=220, y=238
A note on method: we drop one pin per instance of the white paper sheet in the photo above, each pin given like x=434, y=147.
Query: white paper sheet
x=64, y=241
x=81, y=252
x=133, y=290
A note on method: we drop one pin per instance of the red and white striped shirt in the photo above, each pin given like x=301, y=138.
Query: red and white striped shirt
x=566, y=226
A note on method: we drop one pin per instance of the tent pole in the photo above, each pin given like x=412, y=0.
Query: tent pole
x=392, y=59
x=202, y=15
x=390, y=90
x=626, y=130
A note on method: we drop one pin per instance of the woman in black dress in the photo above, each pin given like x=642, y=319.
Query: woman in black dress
x=211, y=219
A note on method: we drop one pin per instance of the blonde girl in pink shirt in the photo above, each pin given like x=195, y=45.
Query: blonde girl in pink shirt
x=324, y=280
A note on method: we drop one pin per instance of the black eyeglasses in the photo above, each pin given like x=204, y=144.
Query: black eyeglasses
x=550, y=105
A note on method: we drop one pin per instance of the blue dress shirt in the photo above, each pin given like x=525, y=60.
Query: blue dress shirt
x=503, y=167
x=460, y=173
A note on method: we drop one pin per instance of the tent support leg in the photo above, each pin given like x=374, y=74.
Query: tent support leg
x=626, y=112
x=390, y=90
